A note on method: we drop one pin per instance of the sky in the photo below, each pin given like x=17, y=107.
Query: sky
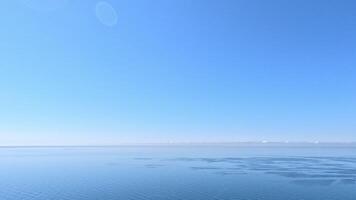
x=137, y=71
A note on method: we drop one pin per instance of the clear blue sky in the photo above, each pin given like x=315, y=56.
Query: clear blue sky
x=84, y=72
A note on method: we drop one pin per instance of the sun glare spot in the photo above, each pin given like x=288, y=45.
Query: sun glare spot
x=106, y=14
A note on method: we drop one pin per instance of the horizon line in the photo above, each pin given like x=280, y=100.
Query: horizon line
x=172, y=144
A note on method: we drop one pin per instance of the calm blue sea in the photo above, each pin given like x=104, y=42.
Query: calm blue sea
x=178, y=173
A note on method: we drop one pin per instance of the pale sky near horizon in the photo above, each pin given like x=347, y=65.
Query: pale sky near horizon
x=107, y=72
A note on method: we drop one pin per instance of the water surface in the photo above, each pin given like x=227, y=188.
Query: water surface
x=192, y=173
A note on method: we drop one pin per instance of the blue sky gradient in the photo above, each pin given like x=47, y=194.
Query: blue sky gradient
x=159, y=71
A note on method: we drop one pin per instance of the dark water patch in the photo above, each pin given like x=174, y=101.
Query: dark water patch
x=290, y=174
x=260, y=169
x=348, y=181
x=339, y=159
x=232, y=160
x=314, y=182
x=289, y=167
x=235, y=168
x=344, y=171
x=182, y=159
x=205, y=168
x=296, y=174
x=263, y=167
x=333, y=164
x=240, y=165
x=225, y=173
x=154, y=165
x=212, y=160
x=328, y=176
x=273, y=160
x=315, y=168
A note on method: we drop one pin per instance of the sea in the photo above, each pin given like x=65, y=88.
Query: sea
x=183, y=172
